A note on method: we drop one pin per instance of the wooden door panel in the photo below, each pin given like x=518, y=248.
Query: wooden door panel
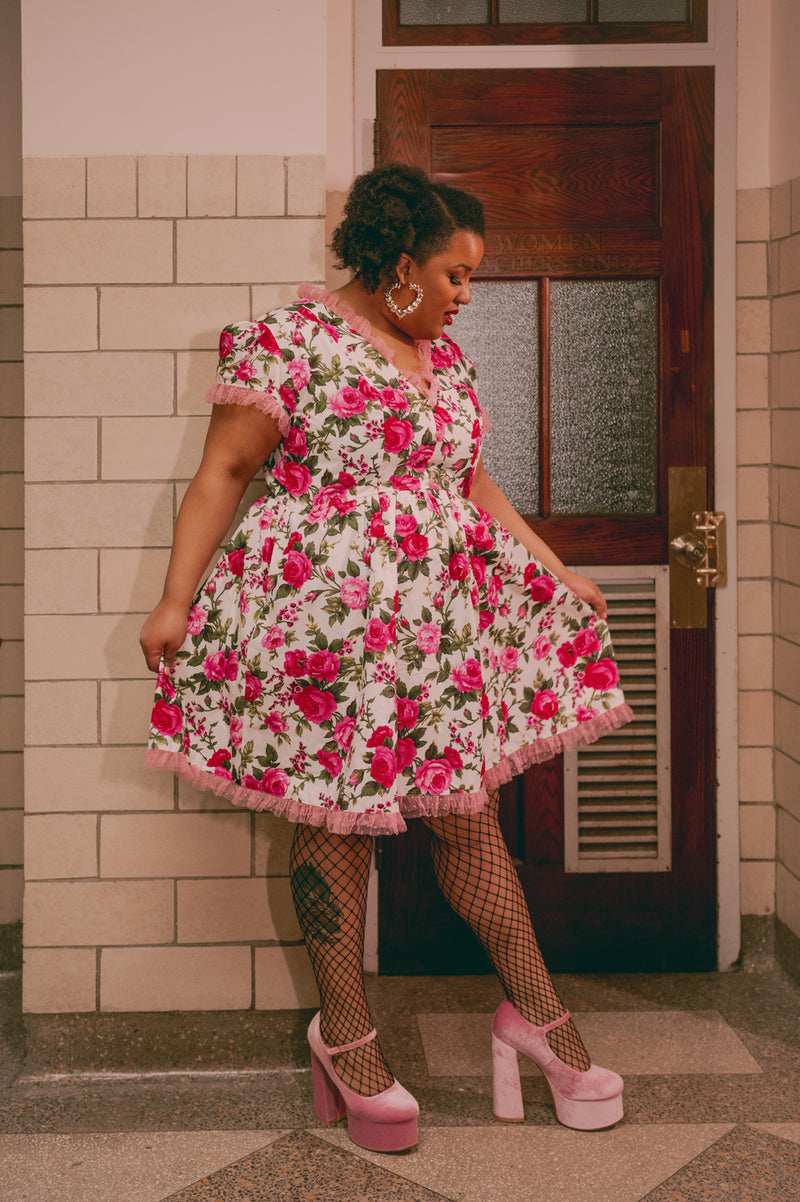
x=586, y=175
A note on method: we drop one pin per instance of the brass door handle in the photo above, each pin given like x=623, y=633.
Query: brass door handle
x=702, y=549
x=689, y=549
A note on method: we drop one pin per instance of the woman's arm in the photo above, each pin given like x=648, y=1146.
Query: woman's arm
x=490, y=496
x=238, y=441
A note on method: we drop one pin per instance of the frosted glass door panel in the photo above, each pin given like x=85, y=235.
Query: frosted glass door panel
x=499, y=332
x=539, y=11
x=603, y=391
x=441, y=12
x=642, y=10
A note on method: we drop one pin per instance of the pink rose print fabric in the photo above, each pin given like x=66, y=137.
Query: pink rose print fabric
x=371, y=645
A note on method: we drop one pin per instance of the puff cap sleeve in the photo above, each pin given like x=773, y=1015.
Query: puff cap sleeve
x=252, y=371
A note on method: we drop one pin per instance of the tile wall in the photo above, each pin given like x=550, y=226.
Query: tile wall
x=141, y=893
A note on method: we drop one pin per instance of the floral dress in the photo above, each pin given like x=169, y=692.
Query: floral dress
x=372, y=645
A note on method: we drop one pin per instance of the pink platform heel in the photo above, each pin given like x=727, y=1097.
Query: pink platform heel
x=386, y=1122
x=585, y=1101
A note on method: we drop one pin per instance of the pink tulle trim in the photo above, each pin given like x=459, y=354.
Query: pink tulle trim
x=267, y=402
x=424, y=380
x=413, y=805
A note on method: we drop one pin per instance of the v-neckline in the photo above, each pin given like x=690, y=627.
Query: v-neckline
x=424, y=381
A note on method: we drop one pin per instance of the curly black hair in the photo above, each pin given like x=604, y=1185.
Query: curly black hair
x=395, y=208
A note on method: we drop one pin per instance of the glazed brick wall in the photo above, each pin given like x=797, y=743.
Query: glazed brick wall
x=140, y=893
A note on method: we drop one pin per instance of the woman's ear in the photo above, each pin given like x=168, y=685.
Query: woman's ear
x=403, y=267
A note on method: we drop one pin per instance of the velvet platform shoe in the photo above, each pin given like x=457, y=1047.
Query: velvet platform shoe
x=386, y=1122
x=585, y=1101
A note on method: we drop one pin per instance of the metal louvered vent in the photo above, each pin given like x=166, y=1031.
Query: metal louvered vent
x=617, y=804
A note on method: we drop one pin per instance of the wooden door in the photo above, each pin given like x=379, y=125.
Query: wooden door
x=598, y=192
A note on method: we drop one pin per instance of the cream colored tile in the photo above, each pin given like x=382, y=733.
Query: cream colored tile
x=786, y=436
x=61, y=582
x=785, y=380
x=12, y=557
x=60, y=845
x=11, y=387
x=11, y=892
x=58, y=980
x=752, y=326
x=99, y=515
x=93, y=913
x=131, y=580
x=786, y=322
x=788, y=843
x=474, y=1164
x=284, y=980
x=11, y=498
x=267, y=297
x=12, y=675
x=787, y=610
x=786, y=495
x=787, y=783
x=787, y=669
x=125, y=707
x=11, y=333
x=755, y=662
x=60, y=712
x=236, y=911
x=788, y=253
x=10, y=222
x=757, y=886
x=751, y=269
x=755, y=606
x=260, y=185
x=11, y=445
x=273, y=840
x=152, y=448
x=211, y=180
x=175, y=978
x=11, y=827
x=162, y=185
x=81, y=646
x=101, y=383
x=196, y=371
x=138, y=845
x=54, y=187
x=752, y=491
x=168, y=318
x=111, y=186
x=752, y=214
x=754, y=549
x=755, y=719
x=306, y=185
x=61, y=449
x=781, y=210
x=753, y=436
x=12, y=789
x=757, y=832
x=787, y=726
x=125, y=1166
x=255, y=249
x=788, y=899
x=93, y=778
x=11, y=610
x=98, y=252
x=192, y=797
x=12, y=718
x=10, y=277
x=60, y=319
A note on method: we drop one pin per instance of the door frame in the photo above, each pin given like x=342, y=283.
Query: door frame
x=355, y=54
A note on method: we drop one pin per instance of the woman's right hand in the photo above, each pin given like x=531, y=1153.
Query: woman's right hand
x=163, y=633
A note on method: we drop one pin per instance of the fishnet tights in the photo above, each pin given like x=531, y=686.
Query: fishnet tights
x=476, y=875
x=329, y=875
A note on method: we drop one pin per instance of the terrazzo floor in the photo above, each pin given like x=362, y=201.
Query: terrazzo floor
x=711, y=1061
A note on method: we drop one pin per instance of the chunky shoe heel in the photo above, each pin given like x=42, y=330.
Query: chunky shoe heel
x=584, y=1101
x=386, y=1122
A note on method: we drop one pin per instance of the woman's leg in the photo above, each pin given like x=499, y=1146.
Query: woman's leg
x=476, y=875
x=329, y=875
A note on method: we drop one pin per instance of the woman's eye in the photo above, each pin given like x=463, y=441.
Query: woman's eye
x=455, y=280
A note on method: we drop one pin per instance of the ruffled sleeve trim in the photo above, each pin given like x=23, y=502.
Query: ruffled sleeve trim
x=234, y=394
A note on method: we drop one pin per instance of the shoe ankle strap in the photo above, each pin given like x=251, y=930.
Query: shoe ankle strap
x=559, y=1022
x=350, y=1047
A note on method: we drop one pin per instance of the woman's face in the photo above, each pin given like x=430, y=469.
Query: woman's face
x=445, y=282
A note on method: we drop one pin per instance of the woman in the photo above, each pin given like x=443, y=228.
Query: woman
x=383, y=637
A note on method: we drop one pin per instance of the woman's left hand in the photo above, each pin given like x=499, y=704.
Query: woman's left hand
x=588, y=591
